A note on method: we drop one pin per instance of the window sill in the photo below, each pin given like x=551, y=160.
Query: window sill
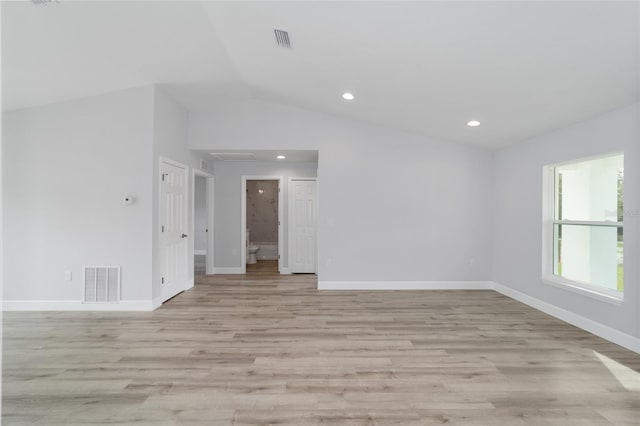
x=579, y=288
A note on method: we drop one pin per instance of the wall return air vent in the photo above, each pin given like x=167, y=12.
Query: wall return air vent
x=101, y=284
x=282, y=37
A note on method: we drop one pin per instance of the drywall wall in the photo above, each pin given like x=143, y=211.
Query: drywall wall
x=393, y=206
x=66, y=169
x=169, y=141
x=517, y=252
x=200, y=214
x=227, y=204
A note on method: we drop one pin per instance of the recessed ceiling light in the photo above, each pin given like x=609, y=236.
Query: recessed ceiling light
x=347, y=96
x=473, y=123
x=281, y=157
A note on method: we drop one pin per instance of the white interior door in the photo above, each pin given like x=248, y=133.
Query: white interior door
x=173, y=227
x=303, y=226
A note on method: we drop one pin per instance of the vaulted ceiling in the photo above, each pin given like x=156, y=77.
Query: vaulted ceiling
x=520, y=68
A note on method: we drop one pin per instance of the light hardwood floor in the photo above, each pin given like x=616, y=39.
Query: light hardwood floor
x=270, y=349
x=263, y=267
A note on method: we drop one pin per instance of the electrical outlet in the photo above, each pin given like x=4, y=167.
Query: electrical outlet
x=68, y=276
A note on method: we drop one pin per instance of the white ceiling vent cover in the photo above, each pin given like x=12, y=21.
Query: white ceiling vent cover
x=101, y=284
x=282, y=37
x=233, y=156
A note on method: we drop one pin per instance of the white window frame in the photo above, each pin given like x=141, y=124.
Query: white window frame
x=548, y=221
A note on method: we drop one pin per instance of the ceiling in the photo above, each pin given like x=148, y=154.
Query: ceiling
x=520, y=68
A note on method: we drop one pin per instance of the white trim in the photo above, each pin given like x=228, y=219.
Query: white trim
x=227, y=270
x=404, y=285
x=200, y=252
x=548, y=194
x=285, y=271
x=77, y=305
x=243, y=220
x=290, y=219
x=618, y=337
x=614, y=297
x=190, y=284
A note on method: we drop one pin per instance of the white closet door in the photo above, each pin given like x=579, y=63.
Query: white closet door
x=173, y=237
x=303, y=226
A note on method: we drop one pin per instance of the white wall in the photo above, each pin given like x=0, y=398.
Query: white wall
x=227, y=204
x=517, y=253
x=393, y=206
x=66, y=169
x=200, y=213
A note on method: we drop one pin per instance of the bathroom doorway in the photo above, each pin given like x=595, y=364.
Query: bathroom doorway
x=261, y=224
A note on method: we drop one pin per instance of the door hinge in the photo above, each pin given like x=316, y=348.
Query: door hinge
x=162, y=228
x=206, y=230
x=162, y=280
x=278, y=257
x=164, y=175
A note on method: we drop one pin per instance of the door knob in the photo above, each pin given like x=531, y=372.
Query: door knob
x=184, y=235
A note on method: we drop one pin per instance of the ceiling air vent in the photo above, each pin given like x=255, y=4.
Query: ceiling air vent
x=282, y=37
x=233, y=156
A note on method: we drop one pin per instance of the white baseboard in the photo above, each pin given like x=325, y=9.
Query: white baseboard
x=404, y=285
x=189, y=285
x=227, y=270
x=76, y=305
x=285, y=271
x=625, y=340
x=200, y=252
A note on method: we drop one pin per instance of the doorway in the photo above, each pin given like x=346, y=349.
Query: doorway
x=262, y=236
x=202, y=223
x=173, y=228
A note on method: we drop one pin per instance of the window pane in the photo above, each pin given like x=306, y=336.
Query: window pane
x=589, y=254
x=590, y=190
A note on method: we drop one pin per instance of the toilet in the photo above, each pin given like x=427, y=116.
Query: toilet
x=252, y=250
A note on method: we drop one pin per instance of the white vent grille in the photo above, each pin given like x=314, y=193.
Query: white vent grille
x=282, y=37
x=101, y=284
x=233, y=156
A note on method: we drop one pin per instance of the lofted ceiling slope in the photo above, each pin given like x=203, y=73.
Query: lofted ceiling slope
x=520, y=68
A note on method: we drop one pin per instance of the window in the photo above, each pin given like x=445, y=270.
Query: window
x=584, y=232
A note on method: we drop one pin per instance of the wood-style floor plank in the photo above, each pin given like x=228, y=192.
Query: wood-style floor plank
x=271, y=349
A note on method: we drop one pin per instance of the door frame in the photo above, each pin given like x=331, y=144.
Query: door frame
x=185, y=212
x=243, y=221
x=290, y=219
x=209, y=194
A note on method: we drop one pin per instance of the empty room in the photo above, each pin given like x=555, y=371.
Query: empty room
x=320, y=212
